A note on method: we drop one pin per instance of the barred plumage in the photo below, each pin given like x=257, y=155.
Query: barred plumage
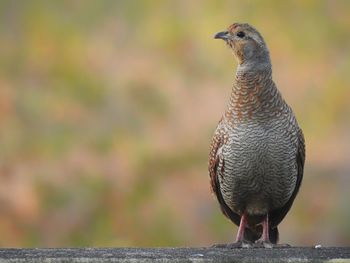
x=257, y=154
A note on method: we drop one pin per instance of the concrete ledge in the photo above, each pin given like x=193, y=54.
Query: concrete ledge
x=295, y=254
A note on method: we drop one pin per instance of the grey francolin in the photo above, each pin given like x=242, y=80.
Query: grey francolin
x=257, y=153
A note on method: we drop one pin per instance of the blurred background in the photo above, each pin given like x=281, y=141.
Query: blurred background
x=107, y=109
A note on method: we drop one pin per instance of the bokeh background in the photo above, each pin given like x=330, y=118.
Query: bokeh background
x=107, y=109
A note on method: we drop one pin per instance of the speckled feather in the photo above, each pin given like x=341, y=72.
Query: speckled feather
x=257, y=153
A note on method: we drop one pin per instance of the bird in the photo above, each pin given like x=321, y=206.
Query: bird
x=257, y=153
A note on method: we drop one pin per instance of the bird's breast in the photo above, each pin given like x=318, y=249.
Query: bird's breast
x=260, y=170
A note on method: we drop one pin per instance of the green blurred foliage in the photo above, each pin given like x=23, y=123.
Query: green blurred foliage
x=107, y=110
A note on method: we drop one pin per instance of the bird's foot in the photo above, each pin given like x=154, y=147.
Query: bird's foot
x=263, y=244
x=282, y=245
x=267, y=244
x=238, y=244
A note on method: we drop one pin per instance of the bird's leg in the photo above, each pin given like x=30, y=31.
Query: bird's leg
x=264, y=240
x=242, y=225
x=265, y=237
x=240, y=243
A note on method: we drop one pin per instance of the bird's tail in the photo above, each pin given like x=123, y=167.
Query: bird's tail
x=253, y=235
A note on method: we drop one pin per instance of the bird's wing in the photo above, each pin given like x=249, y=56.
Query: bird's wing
x=216, y=166
x=277, y=215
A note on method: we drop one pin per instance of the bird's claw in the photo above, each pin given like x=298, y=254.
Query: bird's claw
x=263, y=244
x=238, y=244
x=267, y=244
x=282, y=245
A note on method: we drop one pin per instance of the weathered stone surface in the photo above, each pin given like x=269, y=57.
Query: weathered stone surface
x=295, y=254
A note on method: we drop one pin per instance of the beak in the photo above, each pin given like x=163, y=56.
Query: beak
x=221, y=35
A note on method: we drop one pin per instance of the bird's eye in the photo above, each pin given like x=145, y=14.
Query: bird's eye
x=240, y=34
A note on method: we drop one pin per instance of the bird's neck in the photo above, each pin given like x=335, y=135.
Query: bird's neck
x=260, y=64
x=254, y=94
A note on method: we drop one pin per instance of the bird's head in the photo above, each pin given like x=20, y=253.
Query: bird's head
x=247, y=44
